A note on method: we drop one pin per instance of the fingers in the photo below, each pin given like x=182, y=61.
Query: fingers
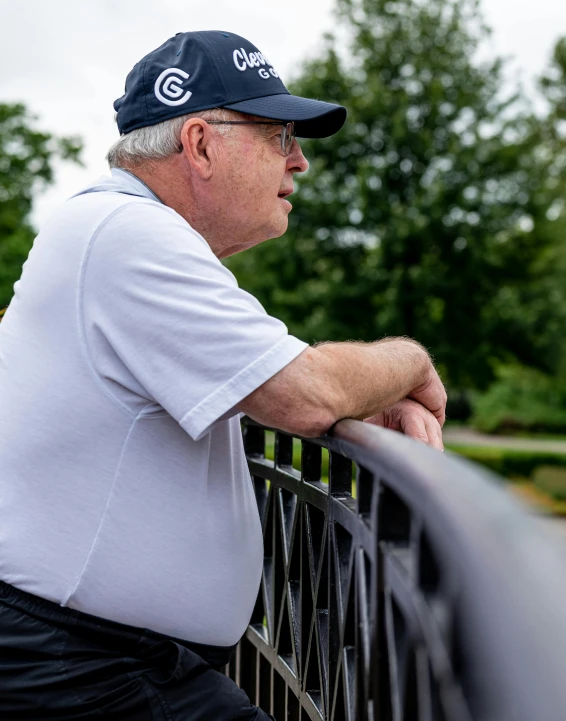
x=377, y=420
x=412, y=419
x=432, y=395
x=434, y=432
x=414, y=426
x=419, y=423
x=426, y=430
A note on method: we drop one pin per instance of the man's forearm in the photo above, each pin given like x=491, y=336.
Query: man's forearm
x=365, y=378
x=345, y=380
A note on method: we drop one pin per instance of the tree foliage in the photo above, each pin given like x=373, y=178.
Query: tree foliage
x=424, y=215
x=544, y=298
x=27, y=156
x=521, y=399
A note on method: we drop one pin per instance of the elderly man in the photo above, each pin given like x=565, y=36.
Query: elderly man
x=130, y=543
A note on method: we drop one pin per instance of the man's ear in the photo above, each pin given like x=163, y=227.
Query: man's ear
x=195, y=139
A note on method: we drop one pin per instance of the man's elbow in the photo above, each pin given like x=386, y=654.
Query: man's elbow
x=296, y=400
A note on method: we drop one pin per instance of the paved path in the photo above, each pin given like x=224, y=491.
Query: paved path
x=469, y=437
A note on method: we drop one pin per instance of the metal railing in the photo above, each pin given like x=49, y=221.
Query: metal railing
x=410, y=587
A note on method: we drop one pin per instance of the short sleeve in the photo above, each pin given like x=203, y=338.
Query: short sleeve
x=162, y=316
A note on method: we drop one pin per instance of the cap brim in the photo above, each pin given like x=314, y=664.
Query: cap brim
x=312, y=118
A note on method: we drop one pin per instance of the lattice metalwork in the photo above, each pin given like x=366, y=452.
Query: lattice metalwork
x=365, y=612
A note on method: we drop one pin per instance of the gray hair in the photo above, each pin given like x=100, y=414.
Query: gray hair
x=155, y=142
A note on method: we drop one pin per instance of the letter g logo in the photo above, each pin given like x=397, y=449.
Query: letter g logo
x=169, y=84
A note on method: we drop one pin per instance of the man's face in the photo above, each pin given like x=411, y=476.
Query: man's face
x=252, y=186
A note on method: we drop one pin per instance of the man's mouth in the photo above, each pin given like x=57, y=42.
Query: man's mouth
x=285, y=193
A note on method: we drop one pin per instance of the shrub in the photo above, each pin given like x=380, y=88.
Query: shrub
x=521, y=399
x=510, y=463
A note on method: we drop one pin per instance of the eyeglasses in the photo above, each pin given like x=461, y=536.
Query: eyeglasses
x=287, y=135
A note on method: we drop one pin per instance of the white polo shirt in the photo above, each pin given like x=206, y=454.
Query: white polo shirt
x=124, y=489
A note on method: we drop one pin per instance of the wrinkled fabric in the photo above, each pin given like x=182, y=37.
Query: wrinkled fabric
x=57, y=663
x=127, y=348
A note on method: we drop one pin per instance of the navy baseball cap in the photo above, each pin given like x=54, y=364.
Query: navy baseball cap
x=211, y=69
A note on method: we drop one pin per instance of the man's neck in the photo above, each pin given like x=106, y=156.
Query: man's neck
x=137, y=177
x=166, y=181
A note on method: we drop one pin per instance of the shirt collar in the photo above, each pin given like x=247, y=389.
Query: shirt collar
x=133, y=182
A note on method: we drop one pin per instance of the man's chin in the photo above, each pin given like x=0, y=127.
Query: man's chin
x=275, y=231
x=280, y=229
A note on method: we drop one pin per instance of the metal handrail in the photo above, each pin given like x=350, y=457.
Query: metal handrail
x=435, y=594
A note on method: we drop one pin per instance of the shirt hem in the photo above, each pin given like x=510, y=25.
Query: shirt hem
x=197, y=422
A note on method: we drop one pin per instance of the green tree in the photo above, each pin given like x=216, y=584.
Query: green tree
x=544, y=299
x=26, y=166
x=418, y=217
x=523, y=398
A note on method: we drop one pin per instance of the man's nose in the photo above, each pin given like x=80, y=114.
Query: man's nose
x=296, y=161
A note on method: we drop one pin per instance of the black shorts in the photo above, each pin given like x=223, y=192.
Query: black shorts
x=58, y=663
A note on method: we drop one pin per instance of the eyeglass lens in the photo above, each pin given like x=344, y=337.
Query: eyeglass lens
x=287, y=137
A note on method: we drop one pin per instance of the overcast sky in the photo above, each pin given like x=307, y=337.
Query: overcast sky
x=68, y=59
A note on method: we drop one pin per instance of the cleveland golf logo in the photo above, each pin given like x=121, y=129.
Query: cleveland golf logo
x=168, y=87
x=243, y=61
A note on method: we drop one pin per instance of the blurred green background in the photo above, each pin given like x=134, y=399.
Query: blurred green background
x=438, y=212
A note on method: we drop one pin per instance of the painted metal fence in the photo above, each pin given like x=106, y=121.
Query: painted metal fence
x=408, y=587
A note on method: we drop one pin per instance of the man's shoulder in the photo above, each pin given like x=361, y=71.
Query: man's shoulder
x=110, y=213
x=126, y=232
x=87, y=210
x=141, y=218
x=107, y=202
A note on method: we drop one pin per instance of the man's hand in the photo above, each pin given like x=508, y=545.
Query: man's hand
x=432, y=395
x=412, y=419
